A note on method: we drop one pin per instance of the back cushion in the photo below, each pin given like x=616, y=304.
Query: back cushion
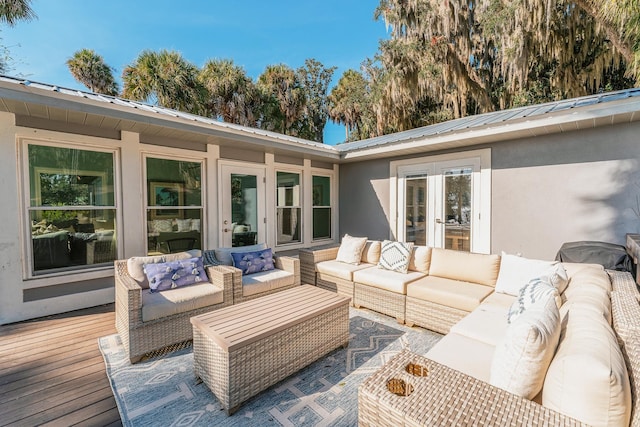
x=135, y=264
x=371, y=252
x=420, y=259
x=587, y=378
x=224, y=254
x=465, y=266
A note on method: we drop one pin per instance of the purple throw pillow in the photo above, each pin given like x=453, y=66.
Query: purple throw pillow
x=253, y=262
x=174, y=274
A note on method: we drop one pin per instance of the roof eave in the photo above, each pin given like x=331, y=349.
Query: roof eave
x=584, y=118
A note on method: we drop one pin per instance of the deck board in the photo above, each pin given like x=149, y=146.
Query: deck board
x=52, y=372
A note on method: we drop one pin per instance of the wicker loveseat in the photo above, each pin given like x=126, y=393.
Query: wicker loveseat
x=149, y=321
x=286, y=274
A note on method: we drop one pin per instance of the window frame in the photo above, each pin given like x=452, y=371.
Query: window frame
x=331, y=177
x=301, y=198
x=203, y=192
x=76, y=273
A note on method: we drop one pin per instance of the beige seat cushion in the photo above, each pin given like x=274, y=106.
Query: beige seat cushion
x=135, y=265
x=256, y=283
x=465, y=266
x=388, y=280
x=451, y=293
x=159, y=305
x=485, y=324
x=498, y=301
x=454, y=351
x=340, y=269
x=588, y=378
x=522, y=357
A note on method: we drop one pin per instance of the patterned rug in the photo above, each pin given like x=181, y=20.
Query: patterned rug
x=162, y=390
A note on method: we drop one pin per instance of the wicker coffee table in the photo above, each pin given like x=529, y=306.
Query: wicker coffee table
x=411, y=390
x=240, y=350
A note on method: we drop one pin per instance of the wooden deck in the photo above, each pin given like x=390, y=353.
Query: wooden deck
x=52, y=372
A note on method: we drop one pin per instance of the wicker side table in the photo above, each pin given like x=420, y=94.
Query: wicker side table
x=435, y=395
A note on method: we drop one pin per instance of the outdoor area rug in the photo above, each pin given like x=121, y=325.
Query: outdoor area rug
x=163, y=390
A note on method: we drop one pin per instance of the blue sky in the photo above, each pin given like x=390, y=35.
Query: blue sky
x=253, y=33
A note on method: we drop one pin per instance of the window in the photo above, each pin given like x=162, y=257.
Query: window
x=174, y=205
x=321, y=207
x=288, y=204
x=71, y=208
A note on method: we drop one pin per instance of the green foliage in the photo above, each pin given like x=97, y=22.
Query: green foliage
x=166, y=78
x=12, y=11
x=315, y=79
x=350, y=105
x=455, y=58
x=89, y=68
x=285, y=98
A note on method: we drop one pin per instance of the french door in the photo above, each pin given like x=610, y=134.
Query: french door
x=438, y=205
x=242, y=205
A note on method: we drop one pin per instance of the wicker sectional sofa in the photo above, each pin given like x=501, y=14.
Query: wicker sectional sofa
x=590, y=378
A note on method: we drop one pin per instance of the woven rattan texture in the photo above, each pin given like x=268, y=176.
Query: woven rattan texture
x=309, y=258
x=236, y=376
x=445, y=397
x=625, y=308
x=436, y=317
x=386, y=302
x=335, y=284
x=288, y=264
x=140, y=337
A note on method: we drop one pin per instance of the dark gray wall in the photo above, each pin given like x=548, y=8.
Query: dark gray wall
x=364, y=199
x=582, y=185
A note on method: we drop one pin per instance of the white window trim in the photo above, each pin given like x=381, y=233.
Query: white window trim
x=305, y=198
x=398, y=169
x=67, y=141
x=178, y=155
x=328, y=174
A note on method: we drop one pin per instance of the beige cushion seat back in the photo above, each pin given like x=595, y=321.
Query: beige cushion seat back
x=135, y=265
x=465, y=266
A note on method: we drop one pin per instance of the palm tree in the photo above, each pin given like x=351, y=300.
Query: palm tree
x=89, y=68
x=164, y=78
x=349, y=103
x=231, y=94
x=12, y=11
x=315, y=80
x=281, y=84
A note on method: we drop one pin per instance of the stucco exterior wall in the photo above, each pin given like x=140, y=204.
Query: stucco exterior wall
x=575, y=186
x=546, y=190
x=364, y=199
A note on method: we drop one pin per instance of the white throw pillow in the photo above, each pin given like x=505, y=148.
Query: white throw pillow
x=537, y=289
x=515, y=272
x=350, y=250
x=183, y=224
x=395, y=256
x=163, y=225
x=521, y=359
x=195, y=225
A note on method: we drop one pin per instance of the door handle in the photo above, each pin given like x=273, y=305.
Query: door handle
x=439, y=221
